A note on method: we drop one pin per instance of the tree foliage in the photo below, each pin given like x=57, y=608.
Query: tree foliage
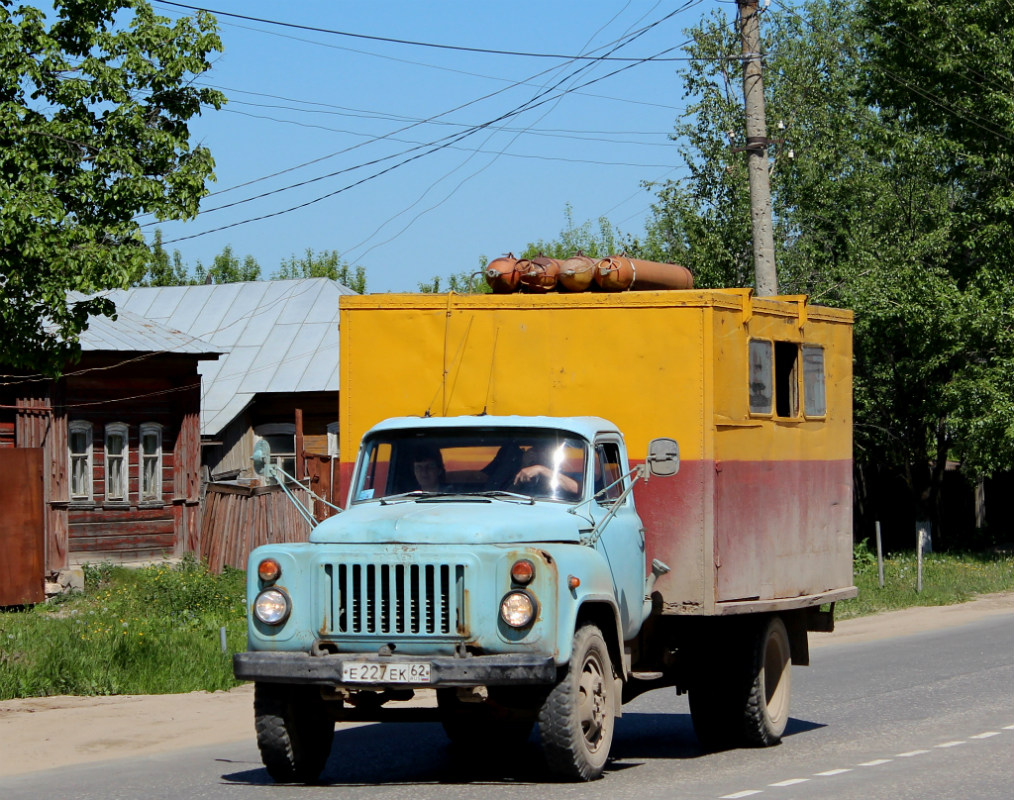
x=326, y=264
x=895, y=202
x=95, y=101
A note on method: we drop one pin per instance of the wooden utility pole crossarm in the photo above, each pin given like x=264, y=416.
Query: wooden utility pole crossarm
x=766, y=278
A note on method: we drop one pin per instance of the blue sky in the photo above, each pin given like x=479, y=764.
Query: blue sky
x=309, y=104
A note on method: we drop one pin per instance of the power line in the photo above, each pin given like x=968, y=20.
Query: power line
x=434, y=146
x=434, y=45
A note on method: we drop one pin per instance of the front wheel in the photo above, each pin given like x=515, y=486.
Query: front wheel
x=577, y=719
x=294, y=731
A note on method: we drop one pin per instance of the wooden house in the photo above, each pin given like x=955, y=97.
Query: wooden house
x=114, y=448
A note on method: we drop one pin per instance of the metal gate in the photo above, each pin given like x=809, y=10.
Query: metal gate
x=22, y=529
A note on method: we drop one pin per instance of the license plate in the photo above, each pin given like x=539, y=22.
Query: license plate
x=379, y=672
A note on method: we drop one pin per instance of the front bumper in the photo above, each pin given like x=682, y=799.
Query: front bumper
x=326, y=670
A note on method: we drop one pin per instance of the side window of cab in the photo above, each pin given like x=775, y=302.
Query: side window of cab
x=608, y=472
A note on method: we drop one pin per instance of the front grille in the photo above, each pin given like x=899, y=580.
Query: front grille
x=397, y=599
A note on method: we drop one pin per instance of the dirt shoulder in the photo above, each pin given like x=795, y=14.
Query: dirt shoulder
x=47, y=732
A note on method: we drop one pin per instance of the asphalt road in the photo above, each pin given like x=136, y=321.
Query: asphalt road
x=927, y=716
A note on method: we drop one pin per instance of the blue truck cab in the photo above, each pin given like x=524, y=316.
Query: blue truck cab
x=497, y=560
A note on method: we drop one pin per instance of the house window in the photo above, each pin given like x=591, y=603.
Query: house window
x=814, y=393
x=79, y=435
x=761, y=388
x=116, y=462
x=151, y=461
x=281, y=438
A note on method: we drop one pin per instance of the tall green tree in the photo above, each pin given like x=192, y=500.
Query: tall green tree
x=95, y=101
x=227, y=267
x=326, y=264
x=162, y=268
x=877, y=210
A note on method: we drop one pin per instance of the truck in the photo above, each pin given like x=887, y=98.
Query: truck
x=556, y=503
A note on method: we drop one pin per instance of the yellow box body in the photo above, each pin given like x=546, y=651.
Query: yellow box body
x=759, y=515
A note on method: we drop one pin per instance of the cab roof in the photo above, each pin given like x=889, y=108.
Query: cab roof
x=586, y=427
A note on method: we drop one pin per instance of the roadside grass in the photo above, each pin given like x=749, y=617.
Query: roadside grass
x=152, y=630
x=156, y=629
x=947, y=578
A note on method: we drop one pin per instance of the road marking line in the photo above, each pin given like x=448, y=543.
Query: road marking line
x=911, y=753
x=831, y=772
x=790, y=782
x=1008, y=727
x=986, y=735
x=876, y=763
x=950, y=744
x=746, y=793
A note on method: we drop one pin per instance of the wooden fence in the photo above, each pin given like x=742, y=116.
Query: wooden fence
x=239, y=518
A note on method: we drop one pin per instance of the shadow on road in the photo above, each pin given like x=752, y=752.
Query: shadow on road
x=419, y=753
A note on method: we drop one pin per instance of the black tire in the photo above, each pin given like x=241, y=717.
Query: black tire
x=294, y=731
x=741, y=695
x=767, y=705
x=479, y=726
x=577, y=720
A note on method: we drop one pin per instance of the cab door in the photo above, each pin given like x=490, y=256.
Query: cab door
x=622, y=539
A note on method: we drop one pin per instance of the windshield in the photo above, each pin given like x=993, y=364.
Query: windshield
x=539, y=463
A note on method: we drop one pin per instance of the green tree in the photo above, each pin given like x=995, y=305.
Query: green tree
x=326, y=264
x=227, y=268
x=594, y=241
x=460, y=282
x=874, y=211
x=95, y=101
x=163, y=269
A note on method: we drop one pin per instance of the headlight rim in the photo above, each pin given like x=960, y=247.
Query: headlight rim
x=531, y=617
x=286, y=600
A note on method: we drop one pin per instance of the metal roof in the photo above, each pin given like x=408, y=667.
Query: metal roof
x=132, y=333
x=281, y=336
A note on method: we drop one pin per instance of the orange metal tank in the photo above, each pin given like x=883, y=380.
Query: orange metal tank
x=577, y=272
x=502, y=274
x=539, y=275
x=614, y=274
x=619, y=273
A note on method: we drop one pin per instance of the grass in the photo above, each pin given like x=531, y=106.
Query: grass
x=946, y=579
x=155, y=630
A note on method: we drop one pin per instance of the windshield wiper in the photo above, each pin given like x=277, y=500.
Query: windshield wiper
x=414, y=495
x=502, y=494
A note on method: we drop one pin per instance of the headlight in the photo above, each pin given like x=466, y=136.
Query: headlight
x=517, y=609
x=272, y=606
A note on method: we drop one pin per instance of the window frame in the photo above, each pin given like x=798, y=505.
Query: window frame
x=770, y=382
x=155, y=497
x=598, y=457
x=116, y=428
x=821, y=392
x=85, y=427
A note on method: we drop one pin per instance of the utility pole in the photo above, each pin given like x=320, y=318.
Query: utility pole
x=765, y=276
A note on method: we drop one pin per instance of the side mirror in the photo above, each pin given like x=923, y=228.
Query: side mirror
x=262, y=459
x=663, y=457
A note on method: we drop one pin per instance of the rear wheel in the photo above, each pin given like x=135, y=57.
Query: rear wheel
x=294, y=731
x=576, y=722
x=767, y=707
x=742, y=692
